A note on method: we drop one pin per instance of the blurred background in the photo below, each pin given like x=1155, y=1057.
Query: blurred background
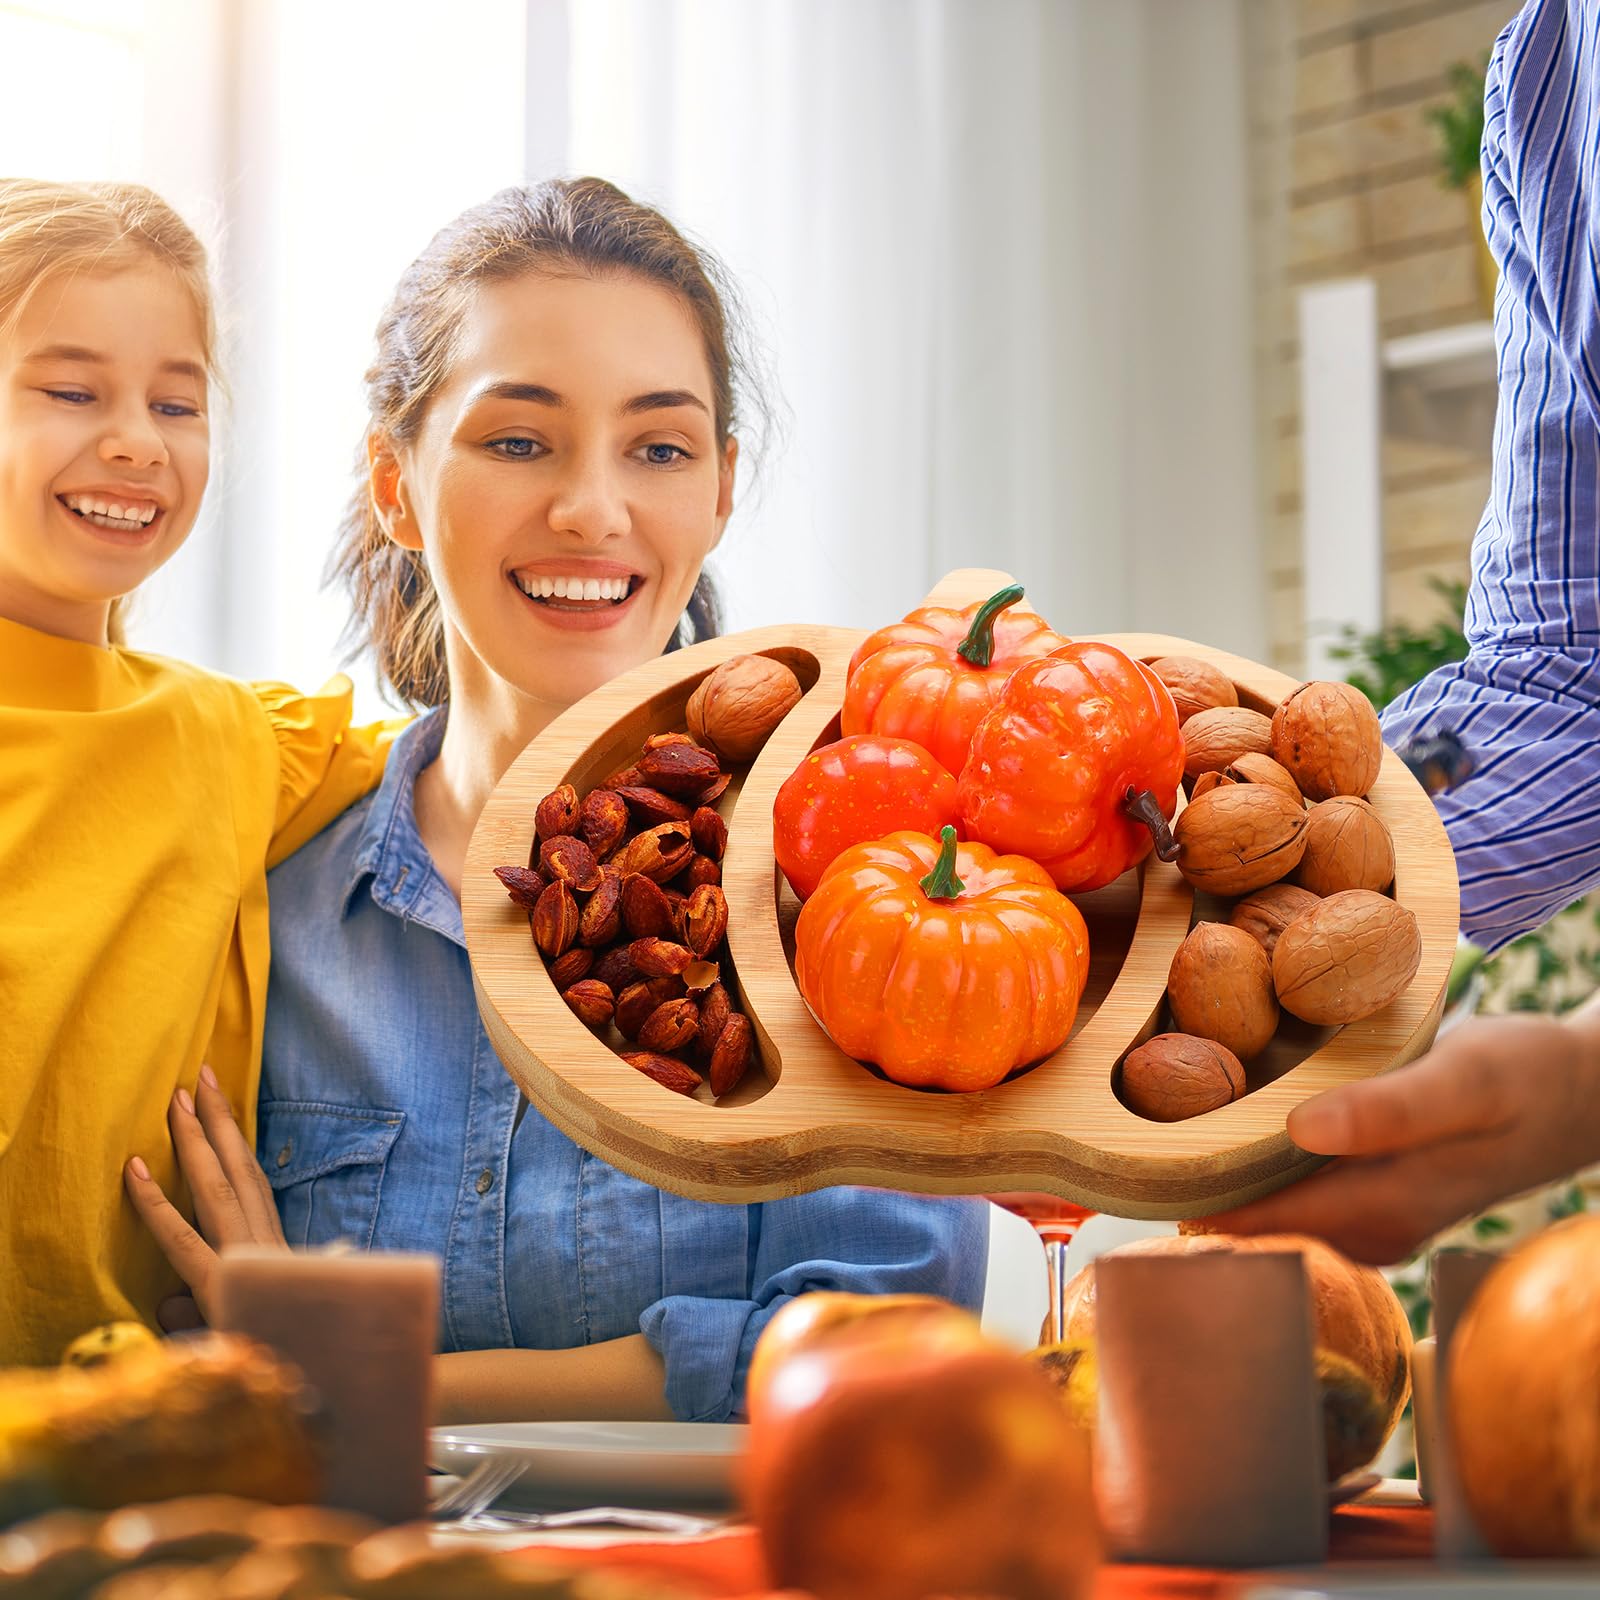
x=1038, y=282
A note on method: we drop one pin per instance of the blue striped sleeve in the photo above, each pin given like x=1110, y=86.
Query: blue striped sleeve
x=1526, y=701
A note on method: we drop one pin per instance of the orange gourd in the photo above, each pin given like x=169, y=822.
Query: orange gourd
x=932, y=677
x=942, y=963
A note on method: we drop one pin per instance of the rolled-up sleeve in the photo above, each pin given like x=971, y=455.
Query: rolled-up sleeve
x=861, y=1241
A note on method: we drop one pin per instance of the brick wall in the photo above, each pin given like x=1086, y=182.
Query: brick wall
x=1362, y=196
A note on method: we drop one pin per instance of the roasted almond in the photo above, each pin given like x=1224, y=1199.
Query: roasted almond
x=660, y=741
x=557, y=813
x=601, y=921
x=671, y=1026
x=713, y=792
x=636, y=1003
x=622, y=780
x=603, y=821
x=659, y=958
x=659, y=853
x=572, y=861
x=615, y=969
x=651, y=806
x=701, y=870
x=523, y=884
x=709, y=832
x=569, y=969
x=715, y=1009
x=555, y=920
x=679, y=769
x=668, y=1073
x=591, y=1001
x=705, y=919
x=730, y=1056
x=646, y=913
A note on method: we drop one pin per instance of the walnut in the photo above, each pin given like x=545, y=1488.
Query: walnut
x=738, y=705
x=1213, y=740
x=1239, y=838
x=1253, y=767
x=1195, y=685
x=1328, y=737
x=1348, y=846
x=1174, y=1076
x=1220, y=987
x=1267, y=912
x=1346, y=958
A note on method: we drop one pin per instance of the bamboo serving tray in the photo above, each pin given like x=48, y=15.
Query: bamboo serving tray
x=806, y=1115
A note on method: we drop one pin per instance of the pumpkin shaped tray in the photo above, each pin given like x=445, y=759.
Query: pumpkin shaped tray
x=806, y=1115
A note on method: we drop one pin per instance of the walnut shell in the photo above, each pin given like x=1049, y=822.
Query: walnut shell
x=1174, y=1076
x=1195, y=685
x=738, y=705
x=1348, y=846
x=1253, y=767
x=1215, y=739
x=1207, y=781
x=1267, y=912
x=1239, y=838
x=1220, y=987
x=1346, y=958
x=1328, y=737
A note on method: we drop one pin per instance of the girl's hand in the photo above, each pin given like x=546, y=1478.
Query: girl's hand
x=1501, y=1106
x=232, y=1199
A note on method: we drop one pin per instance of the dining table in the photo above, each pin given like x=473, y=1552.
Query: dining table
x=1390, y=1532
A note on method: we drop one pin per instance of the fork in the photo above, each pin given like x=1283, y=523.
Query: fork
x=602, y=1517
x=478, y=1490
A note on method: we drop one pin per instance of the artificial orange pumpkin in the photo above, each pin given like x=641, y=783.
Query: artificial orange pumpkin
x=942, y=963
x=881, y=1469
x=823, y=1318
x=1523, y=1403
x=1362, y=1337
x=932, y=677
x=1076, y=766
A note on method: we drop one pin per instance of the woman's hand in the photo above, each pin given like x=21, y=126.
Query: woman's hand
x=1500, y=1106
x=232, y=1199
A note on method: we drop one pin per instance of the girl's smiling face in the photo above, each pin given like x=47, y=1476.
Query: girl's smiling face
x=567, y=482
x=104, y=443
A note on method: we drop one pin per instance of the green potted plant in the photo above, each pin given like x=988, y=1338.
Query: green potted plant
x=1459, y=124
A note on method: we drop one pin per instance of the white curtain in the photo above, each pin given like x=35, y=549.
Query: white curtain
x=1000, y=254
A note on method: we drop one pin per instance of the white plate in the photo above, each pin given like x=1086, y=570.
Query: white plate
x=603, y=1463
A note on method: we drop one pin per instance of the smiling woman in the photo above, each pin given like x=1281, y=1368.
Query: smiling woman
x=550, y=459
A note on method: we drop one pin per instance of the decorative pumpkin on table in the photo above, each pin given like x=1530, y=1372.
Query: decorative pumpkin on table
x=932, y=677
x=1522, y=1397
x=1362, y=1336
x=1077, y=766
x=944, y=964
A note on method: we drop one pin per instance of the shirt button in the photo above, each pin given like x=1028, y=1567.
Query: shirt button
x=285, y=1153
x=485, y=1181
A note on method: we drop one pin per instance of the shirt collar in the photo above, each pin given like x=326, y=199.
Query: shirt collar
x=390, y=855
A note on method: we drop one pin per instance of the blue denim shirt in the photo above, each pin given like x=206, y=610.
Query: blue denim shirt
x=386, y=1118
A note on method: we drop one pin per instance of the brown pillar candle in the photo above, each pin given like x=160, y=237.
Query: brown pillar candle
x=1209, y=1450
x=362, y=1328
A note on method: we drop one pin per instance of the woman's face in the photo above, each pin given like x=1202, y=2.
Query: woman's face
x=566, y=484
x=104, y=443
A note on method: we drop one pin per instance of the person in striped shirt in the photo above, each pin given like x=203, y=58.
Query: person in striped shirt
x=1503, y=1104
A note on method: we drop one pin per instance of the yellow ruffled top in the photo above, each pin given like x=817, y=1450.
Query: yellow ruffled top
x=141, y=803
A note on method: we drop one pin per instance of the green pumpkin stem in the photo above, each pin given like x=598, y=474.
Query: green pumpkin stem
x=1142, y=806
x=978, y=646
x=942, y=883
